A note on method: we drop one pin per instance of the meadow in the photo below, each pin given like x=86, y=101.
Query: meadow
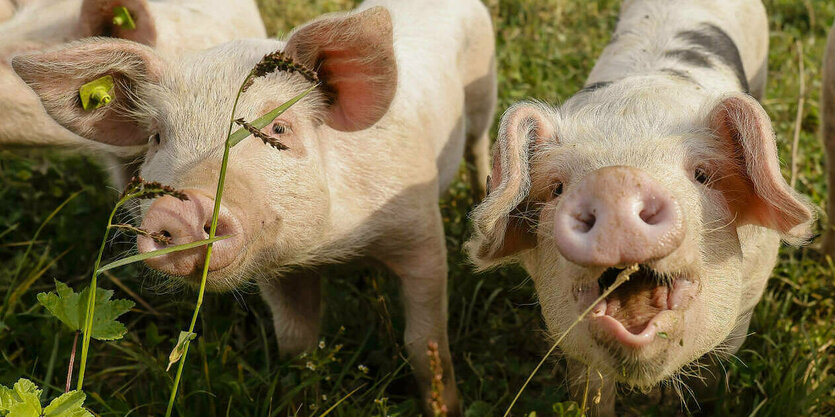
x=545, y=49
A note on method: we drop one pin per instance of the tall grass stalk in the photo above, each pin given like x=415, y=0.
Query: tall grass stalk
x=623, y=276
x=231, y=140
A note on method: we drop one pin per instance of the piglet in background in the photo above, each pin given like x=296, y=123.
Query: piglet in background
x=405, y=87
x=665, y=160
x=171, y=27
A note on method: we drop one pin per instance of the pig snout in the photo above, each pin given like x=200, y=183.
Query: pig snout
x=184, y=221
x=616, y=216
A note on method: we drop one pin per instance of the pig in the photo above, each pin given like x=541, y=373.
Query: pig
x=369, y=152
x=665, y=159
x=169, y=26
x=828, y=135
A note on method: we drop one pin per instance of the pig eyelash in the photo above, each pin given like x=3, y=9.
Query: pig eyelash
x=557, y=191
x=701, y=175
x=281, y=129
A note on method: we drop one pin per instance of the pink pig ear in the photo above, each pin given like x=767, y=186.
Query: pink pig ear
x=97, y=19
x=354, y=57
x=754, y=187
x=502, y=223
x=57, y=75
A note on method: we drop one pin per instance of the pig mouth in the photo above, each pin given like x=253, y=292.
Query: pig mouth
x=643, y=308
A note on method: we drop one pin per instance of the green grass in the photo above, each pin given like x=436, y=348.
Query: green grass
x=545, y=49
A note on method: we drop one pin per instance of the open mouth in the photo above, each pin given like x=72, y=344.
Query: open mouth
x=639, y=310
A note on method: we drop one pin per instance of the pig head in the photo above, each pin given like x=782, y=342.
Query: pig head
x=699, y=203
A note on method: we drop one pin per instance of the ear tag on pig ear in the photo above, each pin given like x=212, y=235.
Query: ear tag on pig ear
x=122, y=18
x=96, y=93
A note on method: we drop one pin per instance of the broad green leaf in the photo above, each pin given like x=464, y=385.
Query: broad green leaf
x=71, y=308
x=266, y=119
x=68, y=405
x=159, y=252
x=178, y=350
x=24, y=401
x=7, y=398
x=21, y=400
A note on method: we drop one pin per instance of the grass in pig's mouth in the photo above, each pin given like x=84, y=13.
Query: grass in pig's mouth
x=629, y=312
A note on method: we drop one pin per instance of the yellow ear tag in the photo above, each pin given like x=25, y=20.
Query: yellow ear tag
x=96, y=93
x=122, y=18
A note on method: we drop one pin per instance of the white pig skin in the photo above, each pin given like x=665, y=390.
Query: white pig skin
x=364, y=169
x=667, y=97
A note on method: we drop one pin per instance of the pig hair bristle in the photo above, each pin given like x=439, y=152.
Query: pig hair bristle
x=269, y=140
x=279, y=61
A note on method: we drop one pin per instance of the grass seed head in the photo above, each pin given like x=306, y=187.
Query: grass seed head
x=267, y=139
x=279, y=61
x=139, y=188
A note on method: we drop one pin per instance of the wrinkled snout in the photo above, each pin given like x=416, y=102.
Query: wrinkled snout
x=617, y=216
x=188, y=221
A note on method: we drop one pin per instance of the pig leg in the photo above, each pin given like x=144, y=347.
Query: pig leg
x=422, y=269
x=295, y=302
x=828, y=131
x=577, y=375
x=480, y=102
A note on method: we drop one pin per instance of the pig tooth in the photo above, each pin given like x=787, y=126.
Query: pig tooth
x=599, y=309
x=677, y=294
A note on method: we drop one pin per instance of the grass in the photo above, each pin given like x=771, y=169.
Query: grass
x=545, y=49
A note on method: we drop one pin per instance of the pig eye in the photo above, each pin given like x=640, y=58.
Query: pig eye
x=557, y=190
x=155, y=138
x=280, y=129
x=701, y=175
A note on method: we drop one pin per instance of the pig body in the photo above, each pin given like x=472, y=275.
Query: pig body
x=367, y=153
x=828, y=133
x=663, y=160
x=170, y=26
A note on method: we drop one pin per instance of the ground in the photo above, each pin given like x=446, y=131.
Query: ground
x=545, y=49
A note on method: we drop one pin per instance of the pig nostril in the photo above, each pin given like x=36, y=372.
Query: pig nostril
x=585, y=222
x=207, y=228
x=652, y=216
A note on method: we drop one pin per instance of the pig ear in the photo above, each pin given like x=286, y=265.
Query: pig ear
x=754, y=187
x=57, y=75
x=502, y=221
x=354, y=57
x=97, y=19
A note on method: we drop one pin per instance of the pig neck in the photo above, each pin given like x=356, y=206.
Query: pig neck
x=692, y=42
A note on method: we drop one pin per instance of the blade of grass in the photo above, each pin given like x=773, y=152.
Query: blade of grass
x=336, y=404
x=31, y=243
x=623, y=276
x=266, y=119
x=24, y=286
x=142, y=256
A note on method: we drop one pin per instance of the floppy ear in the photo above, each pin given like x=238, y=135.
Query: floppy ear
x=354, y=57
x=501, y=228
x=750, y=178
x=57, y=75
x=97, y=19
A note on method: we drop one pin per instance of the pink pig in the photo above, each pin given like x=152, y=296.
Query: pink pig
x=406, y=86
x=663, y=160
